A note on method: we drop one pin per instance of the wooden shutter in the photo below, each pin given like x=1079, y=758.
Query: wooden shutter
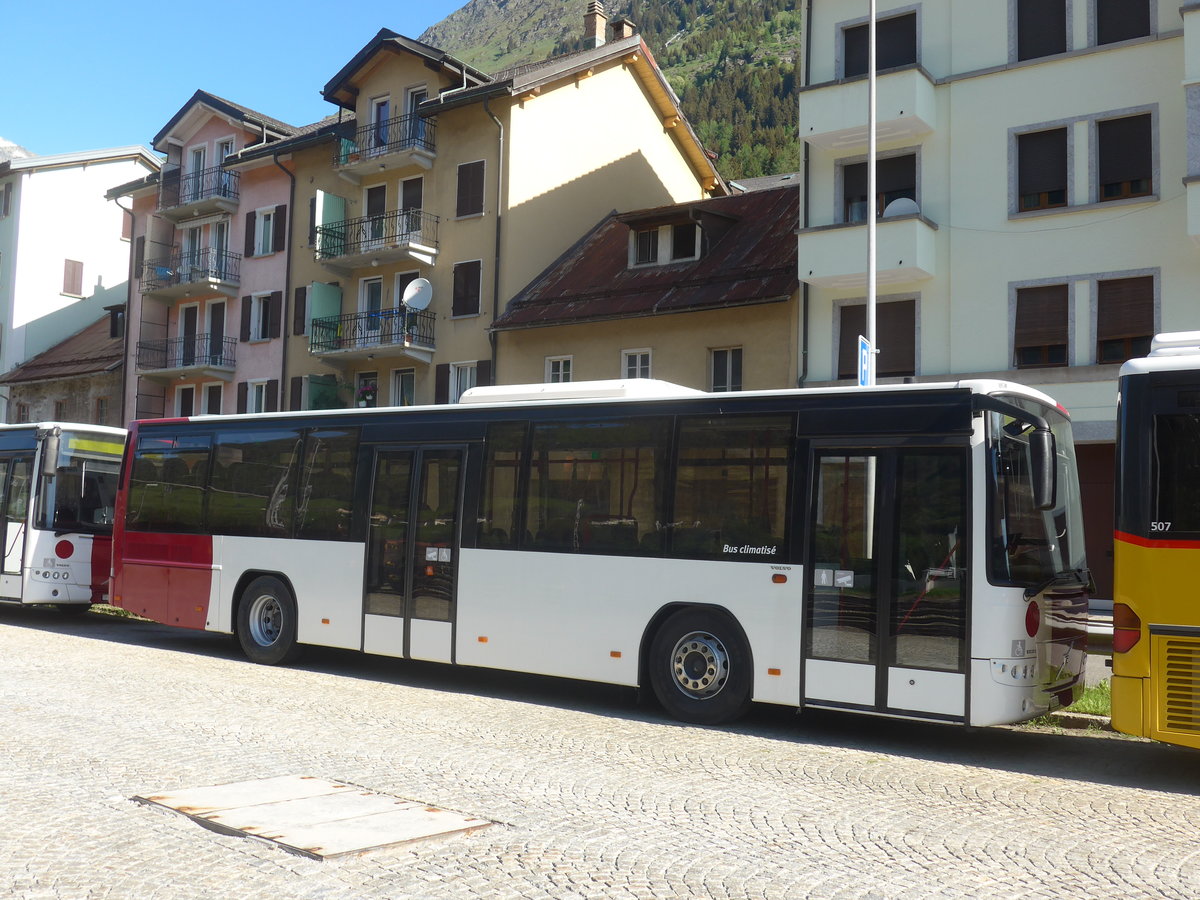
x=1124, y=149
x=483, y=373
x=1042, y=161
x=470, y=189
x=1041, y=28
x=297, y=392
x=279, y=238
x=275, y=314
x=247, y=310
x=441, y=383
x=312, y=221
x=139, y=256
x=251, y=218
x=466, y=289
x=299, y=311
x=1125, y=308
x=73, y=277
x=1120, y=20
x=895, y=326
x=1041, y=316
x=272, y=398
x=243, y=389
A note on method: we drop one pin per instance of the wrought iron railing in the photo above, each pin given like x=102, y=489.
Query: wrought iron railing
x=188, y=268
x=177, y=189
x=394, y=229
x=190, y=350
x=381, y=138
x=384, y=327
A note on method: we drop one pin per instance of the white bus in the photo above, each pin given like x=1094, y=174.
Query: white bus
x=910, y=550
x=58, y=490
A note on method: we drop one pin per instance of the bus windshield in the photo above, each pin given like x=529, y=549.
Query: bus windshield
x=1032, y=547
x=82, y=494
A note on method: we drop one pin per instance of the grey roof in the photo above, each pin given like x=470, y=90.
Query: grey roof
x=229, y=108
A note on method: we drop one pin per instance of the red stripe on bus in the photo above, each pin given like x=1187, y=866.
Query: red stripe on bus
x=1155, y=542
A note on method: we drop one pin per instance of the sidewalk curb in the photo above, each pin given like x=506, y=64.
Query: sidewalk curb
x=1081, y=720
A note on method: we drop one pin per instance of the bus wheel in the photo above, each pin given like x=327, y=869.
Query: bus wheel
x=700, y=667
x=267, y=622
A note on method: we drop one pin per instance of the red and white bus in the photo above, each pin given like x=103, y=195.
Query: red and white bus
x=909, y=550
x=58, y=490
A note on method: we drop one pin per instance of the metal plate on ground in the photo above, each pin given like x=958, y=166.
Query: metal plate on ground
x=312, y=816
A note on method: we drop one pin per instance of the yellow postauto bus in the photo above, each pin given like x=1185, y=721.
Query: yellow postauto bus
x=1156, y=602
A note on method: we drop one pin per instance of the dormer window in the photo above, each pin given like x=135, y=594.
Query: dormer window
x=660, y=245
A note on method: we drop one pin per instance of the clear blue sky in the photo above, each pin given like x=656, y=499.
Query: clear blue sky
x=82, y=75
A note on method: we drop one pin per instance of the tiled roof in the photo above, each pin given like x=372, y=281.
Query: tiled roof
x=750, y=258
x=88, y=352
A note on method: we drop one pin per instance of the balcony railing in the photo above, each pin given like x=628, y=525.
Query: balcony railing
x=371, y=233
x=385, y=327
x=177, y=189
x=215, y=350
x=394, y=135
x=197, y=267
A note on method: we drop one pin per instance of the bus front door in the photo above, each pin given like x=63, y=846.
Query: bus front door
x=412, y=552
x=887, y=603
x=15, y=476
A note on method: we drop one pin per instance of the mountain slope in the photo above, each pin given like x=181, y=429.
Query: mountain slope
x=733, y=63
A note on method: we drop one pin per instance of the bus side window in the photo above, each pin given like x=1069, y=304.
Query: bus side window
x=498, y=519
x=327, y=485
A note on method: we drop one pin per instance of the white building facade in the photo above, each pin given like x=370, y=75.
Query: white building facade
x=1051, y=153
x=62, y=244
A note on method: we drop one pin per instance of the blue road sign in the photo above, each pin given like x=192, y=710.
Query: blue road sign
x=864, y=361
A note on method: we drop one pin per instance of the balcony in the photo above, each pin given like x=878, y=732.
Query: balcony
x=835, y=256
x=195, y=274
x=833, y=116
x=401, y=332
x=208, y=192
x=391, y=237
x=380, y=146
x=197, y=355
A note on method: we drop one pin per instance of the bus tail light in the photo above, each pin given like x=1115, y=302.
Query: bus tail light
x=1033, y=619
x=1127, y=628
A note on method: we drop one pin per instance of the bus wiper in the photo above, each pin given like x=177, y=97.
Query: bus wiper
x=1079, y=575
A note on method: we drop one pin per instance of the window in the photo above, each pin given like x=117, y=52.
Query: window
x=684, y=241
x=258, y=396
x=22, y=413
x=262, y=317
x=895, y=178
x=214, y=396
x=73, y=278
x=100, y=411
x=499, y=500
x=646, y=247
x=558, y=369
x=166, y=486
x=1124, y=318
x=380, y=114
x=597, y=486
x=895, y=45
x=635, y=363
x=60, y=411
x=1125, y=165
x=731, y=488
x=1042, y=169
x=1041, y=28
x=116, y=322
x=185, y=400
x=467, y=277
x=257, y=399
x=463, y=377
x=1040, y=336
x=1121, y=20
x=1175, y=470
x=470, y=189
x=265, y=239
x=6, y=200
x=366, y=391
x=325, y=500
x=266, y=230
x=727, y=369
x=252, y=483
x=895, y=335
x=404, y=387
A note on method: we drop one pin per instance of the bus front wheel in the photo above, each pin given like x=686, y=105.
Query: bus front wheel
x=267, y=622
x=700, y=667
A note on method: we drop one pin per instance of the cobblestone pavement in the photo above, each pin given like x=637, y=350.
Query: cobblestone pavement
x=595, y=796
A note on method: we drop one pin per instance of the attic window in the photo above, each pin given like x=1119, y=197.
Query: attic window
x=663, y=244
x=647, y=247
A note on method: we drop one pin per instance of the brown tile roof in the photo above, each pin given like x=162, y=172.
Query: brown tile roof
x=750, y=259
x=88, y=352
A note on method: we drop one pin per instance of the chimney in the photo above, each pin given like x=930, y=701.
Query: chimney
x=595, y=23
x=622, y=28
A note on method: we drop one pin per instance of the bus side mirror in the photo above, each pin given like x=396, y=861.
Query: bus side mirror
x=50, y=443
x=1044, y=458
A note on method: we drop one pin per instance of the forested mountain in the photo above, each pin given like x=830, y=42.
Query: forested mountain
x=735, y=64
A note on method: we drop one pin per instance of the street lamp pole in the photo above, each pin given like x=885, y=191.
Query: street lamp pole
x=871, y=191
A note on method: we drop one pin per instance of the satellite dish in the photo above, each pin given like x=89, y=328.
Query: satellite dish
x=902, y=206
x=418, y=293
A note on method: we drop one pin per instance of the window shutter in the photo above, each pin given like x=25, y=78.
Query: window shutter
x=72, y=277
x=6, y=200
x=853, y=323
x=441, y=383
x=126, y=224
x=895, y=325
x=483, y=372
x=279, y=239
x=139, y=256
x=1041, y=316
x=243, y=394
x=247, y=309
x=466, y=289
x=250, y=220
x=312, y=221
x=1124, y=149
x=1120, y=20
x=272, y=399
x=275, y=314
x=470, y=189
x=297, y=392
x=299, y=311
x=1042, y=161
x=1125, y=308
x=1041, y=28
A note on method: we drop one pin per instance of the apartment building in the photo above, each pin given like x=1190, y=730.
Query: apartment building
x=210, y=266
x=64, y=249
x=1037, y=182
x=453, y=188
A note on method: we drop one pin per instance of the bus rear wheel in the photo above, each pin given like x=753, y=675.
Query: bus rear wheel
x=267, y=622
x=700, y=667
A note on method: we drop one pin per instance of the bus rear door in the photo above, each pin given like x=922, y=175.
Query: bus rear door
x=16, y=473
